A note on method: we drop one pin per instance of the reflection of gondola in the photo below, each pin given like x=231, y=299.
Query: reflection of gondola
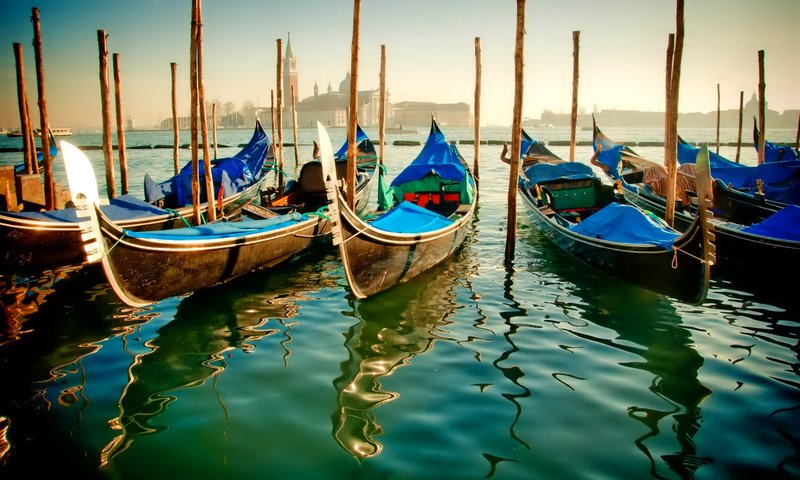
x=190, y=350
x=648, y=326
x=388, y=335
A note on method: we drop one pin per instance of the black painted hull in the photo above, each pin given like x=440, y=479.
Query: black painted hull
x=650, y=267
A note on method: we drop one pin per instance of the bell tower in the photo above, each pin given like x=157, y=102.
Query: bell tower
x=289, y=75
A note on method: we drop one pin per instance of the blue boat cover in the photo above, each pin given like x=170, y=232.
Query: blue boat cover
x=626, y=224
x=784, y=224
x=688, y=154
x=234, y=174
x=525, y=144
x=124, y=207
x=611, y=157
x=360, y=137
x=408, y=217
x=546, y=172
x=437, y=156
x=779, y=153
x=213, y=231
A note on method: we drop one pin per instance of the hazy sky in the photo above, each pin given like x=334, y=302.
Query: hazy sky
x=430, y=52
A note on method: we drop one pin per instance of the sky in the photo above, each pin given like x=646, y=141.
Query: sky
x=430, y=50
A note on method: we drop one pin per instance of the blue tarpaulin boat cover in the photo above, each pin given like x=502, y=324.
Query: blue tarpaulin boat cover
x=407, y=217
x=124, y=207
x=525, y=144
x=218, y=230
x=626, y=224
x=610, y=157
x=784, y=224
x=438, y=157
x=234, y=174
x=688, y=154
x=546, y=172
x=779, y=153
x=360, y=137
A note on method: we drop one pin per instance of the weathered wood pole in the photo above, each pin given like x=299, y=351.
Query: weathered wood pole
x=382, y=111
x=739, y=138
x=761, y=107
x=516, y=134
x=175, y=137
x=573, y=121
x=31, y=139
x=49, y=187
x=193, y=114
x=718, y=114
x=279, y=113
x=201, y=101
x=672, y=158
x=352, y=120
x=477, y=119
x=111, y=184
x=214, y=127
x=272, y=120
x=667, y=104
x=294, y=128
x=121, y=149
x=28, y=147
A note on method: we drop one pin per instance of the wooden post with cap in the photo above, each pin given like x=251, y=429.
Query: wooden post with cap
x=516, y=134
x=47, y=161
x=352, y=120
x=111, y=186
x=573, y=121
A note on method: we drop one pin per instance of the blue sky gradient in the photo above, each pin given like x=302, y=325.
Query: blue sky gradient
x=430, y=53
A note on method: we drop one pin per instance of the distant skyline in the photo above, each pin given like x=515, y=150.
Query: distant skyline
x=430, y=53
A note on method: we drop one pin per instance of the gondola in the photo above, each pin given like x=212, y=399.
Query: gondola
x=434, y=201
x=146, y=267
x=747, y=193
x=772, y=151
x=584, y=217
x=745, y=251
x=33, y=242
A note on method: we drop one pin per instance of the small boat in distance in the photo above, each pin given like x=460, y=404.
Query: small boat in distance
x=59, y=132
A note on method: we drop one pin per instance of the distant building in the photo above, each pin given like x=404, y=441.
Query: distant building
x=330, y=108
x=634, y=118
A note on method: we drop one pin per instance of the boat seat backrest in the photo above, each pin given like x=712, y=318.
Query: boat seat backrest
x=572, y=195
x=311, y=181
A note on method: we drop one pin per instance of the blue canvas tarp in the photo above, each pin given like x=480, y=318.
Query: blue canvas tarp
x=626, y=224
x=688, y=154
x=213, y=231
x=124, y=207
x=233, y=174
x=410, y=218
x=779, y=153
x=784, y=224
x=436, y=157
x=360, y=137
x=611, y=157
x=547, y=172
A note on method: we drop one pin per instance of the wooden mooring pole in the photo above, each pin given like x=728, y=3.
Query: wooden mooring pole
x=214, y=127
x=28, y=147
x=111, y=186
x=175, y=136
x=193, y=116
x=382, y=111
x=294, y=128
x=573, y=121
x=671, y=159
x=762, y=87
x=121, y=149
x=272, y=123
x=477, y=120
x=47, y=161
x=201, y=101
x=739, y=137
x=352, y=120
x=516, y=134
x=718, y=115
x=279, y=113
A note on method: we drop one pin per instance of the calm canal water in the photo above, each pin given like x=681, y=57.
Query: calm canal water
x=540, y=368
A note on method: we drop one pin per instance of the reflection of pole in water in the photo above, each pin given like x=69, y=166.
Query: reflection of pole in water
x=513, y=373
